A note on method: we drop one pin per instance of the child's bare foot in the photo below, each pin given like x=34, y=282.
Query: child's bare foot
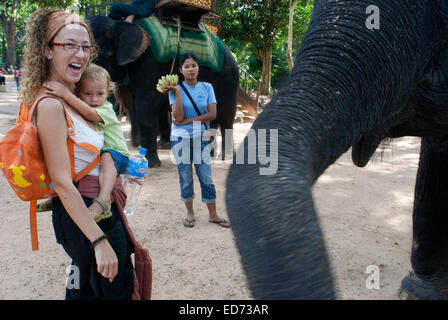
x=96, y=207
x=100, y=209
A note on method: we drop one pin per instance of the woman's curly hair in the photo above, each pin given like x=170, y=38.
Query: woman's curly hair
x=35, y=66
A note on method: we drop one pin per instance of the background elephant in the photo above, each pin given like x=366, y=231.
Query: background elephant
x=124, y=51
x=351, y=86
x=122, y=97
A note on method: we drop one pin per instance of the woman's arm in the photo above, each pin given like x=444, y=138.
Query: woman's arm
x=177, y=108
x=206, y=117
x=52, y=131
x=58, y=90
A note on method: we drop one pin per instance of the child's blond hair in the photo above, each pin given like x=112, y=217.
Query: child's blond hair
x=94, y=71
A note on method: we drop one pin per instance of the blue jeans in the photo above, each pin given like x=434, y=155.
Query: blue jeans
x=198, y=153
x=120, y=161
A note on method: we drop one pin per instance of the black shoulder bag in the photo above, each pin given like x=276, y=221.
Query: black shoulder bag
x=194, y=103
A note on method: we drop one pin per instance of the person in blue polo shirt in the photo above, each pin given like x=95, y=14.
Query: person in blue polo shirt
x=187, y=144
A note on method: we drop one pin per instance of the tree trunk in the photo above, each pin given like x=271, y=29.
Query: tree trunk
x=265, y=55
x=11, y=53
x=3, y=49
x=292, y=6
x=9, y=27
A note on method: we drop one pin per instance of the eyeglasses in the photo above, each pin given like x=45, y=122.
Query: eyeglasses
x=73, y=47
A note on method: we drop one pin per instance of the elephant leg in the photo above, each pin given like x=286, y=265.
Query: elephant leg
x=165, y=129
x=148, y=139
x=227, y=140
x=147, y=118
x=134, y=128
x=429, y=259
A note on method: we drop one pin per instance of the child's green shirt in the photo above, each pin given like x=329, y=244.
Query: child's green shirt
x=111, y=126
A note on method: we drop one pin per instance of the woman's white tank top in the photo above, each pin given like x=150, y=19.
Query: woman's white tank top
x=84, y=157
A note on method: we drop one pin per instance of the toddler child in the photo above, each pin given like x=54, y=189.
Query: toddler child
x=90, y=101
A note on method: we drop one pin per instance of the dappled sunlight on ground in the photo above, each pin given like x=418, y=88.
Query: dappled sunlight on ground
x=366, y=215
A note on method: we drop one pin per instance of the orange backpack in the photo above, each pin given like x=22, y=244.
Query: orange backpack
x=23, y=165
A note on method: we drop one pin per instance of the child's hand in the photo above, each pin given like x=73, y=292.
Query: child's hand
x=56, y=89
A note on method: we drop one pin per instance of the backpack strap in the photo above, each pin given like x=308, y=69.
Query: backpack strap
x=33, y=226
x=78, y=176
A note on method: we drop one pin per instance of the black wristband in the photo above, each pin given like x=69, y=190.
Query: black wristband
x=97, y=241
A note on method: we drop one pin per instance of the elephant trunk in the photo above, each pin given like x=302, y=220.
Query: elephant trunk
x=273, y=217
x=338, y=93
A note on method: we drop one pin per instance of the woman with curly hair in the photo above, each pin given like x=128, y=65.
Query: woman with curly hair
x=59, y=47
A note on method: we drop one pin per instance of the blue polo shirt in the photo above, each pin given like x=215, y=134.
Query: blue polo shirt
x=203, y=94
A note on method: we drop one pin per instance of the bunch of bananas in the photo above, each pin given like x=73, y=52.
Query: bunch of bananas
x=166, y=81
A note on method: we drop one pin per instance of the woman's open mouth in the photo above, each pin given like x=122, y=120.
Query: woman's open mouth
x=75, y=67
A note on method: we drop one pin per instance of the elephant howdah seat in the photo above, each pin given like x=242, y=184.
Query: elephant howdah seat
x=166, y=46
x=190, y=12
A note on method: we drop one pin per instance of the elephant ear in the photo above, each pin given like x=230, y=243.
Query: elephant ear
x=133, y=41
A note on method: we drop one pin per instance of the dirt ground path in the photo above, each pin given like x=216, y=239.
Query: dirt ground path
x=366, y=215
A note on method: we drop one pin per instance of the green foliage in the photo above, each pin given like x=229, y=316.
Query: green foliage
x=2, y=45
x=15, y=13
x=302, y=17
x=82, y=4
x=257, y=21
x=18, y=12
x=249, y=25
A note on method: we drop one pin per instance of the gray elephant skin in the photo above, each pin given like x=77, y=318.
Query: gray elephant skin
x=124, y=51
x=351, y=86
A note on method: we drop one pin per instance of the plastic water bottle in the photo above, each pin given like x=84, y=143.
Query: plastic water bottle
x=134, y=179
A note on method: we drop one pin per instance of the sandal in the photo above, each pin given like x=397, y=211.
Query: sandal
x=106, y=210
x=188, y=223
x=222, y=223
x=44, y=206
